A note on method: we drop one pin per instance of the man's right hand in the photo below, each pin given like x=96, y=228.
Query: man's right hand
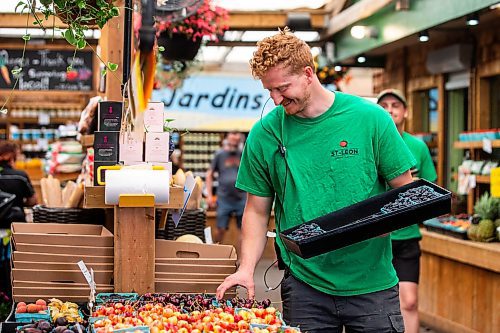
x=211, y=202
x=240, y=278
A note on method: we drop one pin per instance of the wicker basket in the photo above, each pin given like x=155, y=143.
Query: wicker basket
x=42, y=214
x=192, y=222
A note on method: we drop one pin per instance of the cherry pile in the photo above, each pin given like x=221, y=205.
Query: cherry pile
x=198, y=302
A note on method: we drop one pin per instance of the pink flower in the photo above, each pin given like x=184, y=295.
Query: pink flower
x=208, y=21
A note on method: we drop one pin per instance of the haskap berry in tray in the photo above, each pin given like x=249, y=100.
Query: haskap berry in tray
x=389, y=211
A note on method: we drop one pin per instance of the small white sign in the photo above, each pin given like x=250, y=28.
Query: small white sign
x=188, y=189
x=43, y=118
x=88, y=275
x=487, y=146
x=208, y=235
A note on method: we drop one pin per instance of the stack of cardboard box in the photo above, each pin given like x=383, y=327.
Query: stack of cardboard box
x=45, y=257
x=193, y=268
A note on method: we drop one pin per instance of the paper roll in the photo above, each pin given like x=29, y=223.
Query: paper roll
x=131, y=181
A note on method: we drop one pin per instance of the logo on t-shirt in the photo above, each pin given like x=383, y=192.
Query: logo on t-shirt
x=345, y=150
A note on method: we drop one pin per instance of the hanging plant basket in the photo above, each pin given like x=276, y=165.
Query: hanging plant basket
x=94, y=14
x=178, y=46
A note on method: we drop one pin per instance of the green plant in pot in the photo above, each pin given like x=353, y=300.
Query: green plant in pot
x=181, y=39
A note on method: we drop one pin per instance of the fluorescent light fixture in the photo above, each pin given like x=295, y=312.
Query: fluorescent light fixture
x=362, y=31
x=423, y=36
x=361, y=59
x=472, y=19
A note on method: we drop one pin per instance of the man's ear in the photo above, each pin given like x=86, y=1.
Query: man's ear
x=309, y=71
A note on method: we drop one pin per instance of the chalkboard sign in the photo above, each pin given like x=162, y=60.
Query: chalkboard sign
x=47, y=70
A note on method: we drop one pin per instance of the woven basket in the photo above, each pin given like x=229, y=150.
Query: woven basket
x=42, y=214
x=192, y=222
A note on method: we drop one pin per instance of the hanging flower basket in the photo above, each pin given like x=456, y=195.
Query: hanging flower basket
x=178, y=46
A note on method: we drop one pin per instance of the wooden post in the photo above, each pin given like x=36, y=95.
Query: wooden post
x=134, y=249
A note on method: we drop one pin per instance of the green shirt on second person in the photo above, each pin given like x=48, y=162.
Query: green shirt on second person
x=337, y=159
x=423, y=169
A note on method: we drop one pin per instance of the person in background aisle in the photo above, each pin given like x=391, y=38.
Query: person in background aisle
x=316, y=152
x=14, y=182
x=230, y=200
x=405, y=242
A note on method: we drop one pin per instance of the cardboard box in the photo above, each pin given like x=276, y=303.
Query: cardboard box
x=157, y=147
x=106, y=146
x=196, y=261
x=131, y=148
x=191, y=268
x=65, y=249
x=173, y=249
x=47, y=292
x=153, y=117
x=110, y=116
x=62, y=234
x=71, y=276
x=199, y=276
x=61, y=266
x=18, y=256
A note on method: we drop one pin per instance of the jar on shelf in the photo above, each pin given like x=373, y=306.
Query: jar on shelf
x=26, y=134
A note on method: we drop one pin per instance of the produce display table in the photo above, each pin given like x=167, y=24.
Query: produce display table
x=459, y=288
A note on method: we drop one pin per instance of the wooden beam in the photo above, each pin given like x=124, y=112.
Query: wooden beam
x=238, y=20
x=334, y=7
x=270, y=20
x=252, y=43
x=134, y=260
x=357, y=12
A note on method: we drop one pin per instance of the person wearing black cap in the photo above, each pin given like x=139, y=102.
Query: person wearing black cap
x=405, y=242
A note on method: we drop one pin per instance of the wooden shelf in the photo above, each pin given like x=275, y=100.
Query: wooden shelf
x=94, y=198
x=480, y=179
x=474, y=144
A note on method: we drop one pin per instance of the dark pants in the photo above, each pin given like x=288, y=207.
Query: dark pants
x=5, y=284
x=316, y=312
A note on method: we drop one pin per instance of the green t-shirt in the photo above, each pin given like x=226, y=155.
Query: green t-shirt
x=423, y=169
x=335, y=160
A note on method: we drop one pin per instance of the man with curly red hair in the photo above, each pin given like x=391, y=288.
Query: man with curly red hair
x=317, y=152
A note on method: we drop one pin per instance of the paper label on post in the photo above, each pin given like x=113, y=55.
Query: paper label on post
x=188, y=189
x=208, y=235
x=86, y=274
x=487, y=146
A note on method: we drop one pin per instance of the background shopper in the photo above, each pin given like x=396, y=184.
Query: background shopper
x=230, y=200
x=405, y=242
x=315, y=153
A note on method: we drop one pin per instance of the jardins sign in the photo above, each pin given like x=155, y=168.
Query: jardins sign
x=215, y=103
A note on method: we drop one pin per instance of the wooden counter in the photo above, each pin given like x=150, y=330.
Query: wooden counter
x=232, y=234
x=459, y=287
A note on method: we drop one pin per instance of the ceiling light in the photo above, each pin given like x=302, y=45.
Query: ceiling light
x=472, y=19
x=423, y=36
x=338, y=68
x=361, y=31
x=361, y=59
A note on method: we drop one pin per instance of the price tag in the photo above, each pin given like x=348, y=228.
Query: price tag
x=43, y=118
x=88, y=275
x=495, y=182
x=208, y=235
x=487, y=146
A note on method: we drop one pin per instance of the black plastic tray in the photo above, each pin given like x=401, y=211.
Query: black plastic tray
x=357, y=222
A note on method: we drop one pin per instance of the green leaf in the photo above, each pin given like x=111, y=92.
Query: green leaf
x=81, y=4
x=112, y=66
x=20, y=3
x=114, y=11
x=70, y=36
x=27, y=37
x=161, y=48
x=81, y=44
x=17, y=71
x=104, y=72
x=69, y=68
